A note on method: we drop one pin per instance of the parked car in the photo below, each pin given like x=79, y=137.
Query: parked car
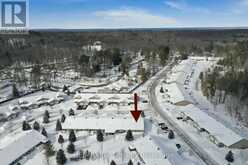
x=179, y=118
x=164, y=128
x=161, y=124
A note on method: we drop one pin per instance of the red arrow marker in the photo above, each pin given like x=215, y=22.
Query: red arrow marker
x=136, y=113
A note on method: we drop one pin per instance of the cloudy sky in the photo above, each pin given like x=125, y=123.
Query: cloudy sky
x=84, y=14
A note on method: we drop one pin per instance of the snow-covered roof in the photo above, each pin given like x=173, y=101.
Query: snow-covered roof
x=20, y=146
x=52, y=100
x=13, y=107
x=110, y=125
x=60, y=94
x=21, y=101
x=204, y=58
x=76, y=87
x=215, y=128
x=150, y=153
x=42, y=98
x=31, y=104
x=89, y=97
x=177, y=93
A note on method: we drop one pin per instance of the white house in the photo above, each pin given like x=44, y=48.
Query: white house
x=96, y=46
x=99, y=98
x=218, y=133
x=178, y=95
x=21, y=147
x=107, y=124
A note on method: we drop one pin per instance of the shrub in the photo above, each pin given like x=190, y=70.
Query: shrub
x=229, y=157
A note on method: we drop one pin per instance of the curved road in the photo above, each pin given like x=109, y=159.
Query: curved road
x=199, y=151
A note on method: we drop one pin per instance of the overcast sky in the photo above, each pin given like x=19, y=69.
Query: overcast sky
x=84, y=14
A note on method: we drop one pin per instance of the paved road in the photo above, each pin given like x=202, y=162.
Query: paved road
x=199, y=151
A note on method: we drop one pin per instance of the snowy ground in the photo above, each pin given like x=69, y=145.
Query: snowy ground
x=154, y=142
x=201, y=102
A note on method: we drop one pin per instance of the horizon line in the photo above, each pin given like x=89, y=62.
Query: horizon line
x=151, y=28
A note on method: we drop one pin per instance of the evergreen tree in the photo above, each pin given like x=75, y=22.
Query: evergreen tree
x=229, y=157
x=60, y=157
x=116, y=57
x=63, y=117
x=47, y=114
x=68, y=92
x=43, y=88
x=24, y=125
x=65, y=88
x=72, y=136
x=58, y=126
x=164, y=54
x=112, y=163
x=49, y=150
x=28, y=126
x=161, y=90
x=99, y=136
x=36, y=126
x=184, y=56
x=15, y=91
x=71, y=112
x=129, y=135
x=81, y=154
x=61, y=139
x=130, y=162
x=171, y=135
x=71, y=148
x=87, y=155
x=201, y=76
x=45, y=119
x=44, y=132
x=143, y=74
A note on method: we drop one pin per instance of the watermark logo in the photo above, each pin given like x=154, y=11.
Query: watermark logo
x=14, y=16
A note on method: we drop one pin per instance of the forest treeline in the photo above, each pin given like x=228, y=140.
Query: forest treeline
x=45, y=46
x=227, y=82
